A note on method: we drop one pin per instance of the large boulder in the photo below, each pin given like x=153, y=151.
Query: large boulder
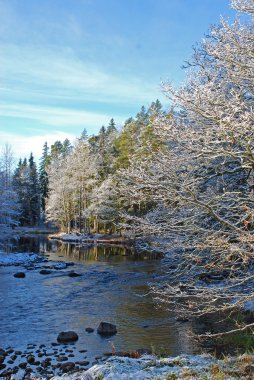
x=106, y=328
x=67, y=336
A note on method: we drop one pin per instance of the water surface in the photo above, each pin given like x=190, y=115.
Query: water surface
x=113, y=288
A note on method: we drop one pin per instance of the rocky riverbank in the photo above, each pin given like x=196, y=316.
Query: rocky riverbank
x=151, y=367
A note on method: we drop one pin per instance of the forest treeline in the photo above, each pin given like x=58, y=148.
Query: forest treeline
x=75, y=186
x=186, y=175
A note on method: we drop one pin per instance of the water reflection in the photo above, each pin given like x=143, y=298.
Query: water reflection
x=113, y=287
x=88, y=252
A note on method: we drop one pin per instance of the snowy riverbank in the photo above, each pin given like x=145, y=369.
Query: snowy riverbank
x=7, y=259
x=91, y=238
x=153, y=368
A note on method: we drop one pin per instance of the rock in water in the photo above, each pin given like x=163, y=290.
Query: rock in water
x=89, y=330
x=106, y=329
x=45, y=271
x=74, y=274
x=67, y=336
x=20, y=275
x=67, y=367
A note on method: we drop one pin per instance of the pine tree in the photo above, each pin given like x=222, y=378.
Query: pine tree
x=26, y=184
x=21, y=184
x=66, y=148
x=43, y=176
x=111, y=129
x=34, y=195
x=84, y=135
x=56, y=150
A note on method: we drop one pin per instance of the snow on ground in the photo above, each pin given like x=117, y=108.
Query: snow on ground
x=68, y=237
x=147, y=367
x=191, y=367
x=17, y=258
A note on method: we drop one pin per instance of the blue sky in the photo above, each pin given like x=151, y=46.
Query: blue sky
x=66, y=65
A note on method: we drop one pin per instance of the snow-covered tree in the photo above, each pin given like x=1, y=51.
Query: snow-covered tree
x=71, y=180
x=9, y=207
x=202, y=184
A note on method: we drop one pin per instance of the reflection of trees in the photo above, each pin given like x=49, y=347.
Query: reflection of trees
x=102, y=252
x=93, y=253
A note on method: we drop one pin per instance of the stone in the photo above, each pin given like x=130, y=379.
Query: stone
x=45, y=271
x=30, y=359
x=67, y=367
x=44, y=363
x=2, y=357
x=83, y=363
x=67, y=336
x=106, y=328
x=74, y=274
x=62, y=359
x=70, y=264
x=89, y=330
x=23, y=365
x=20, y=275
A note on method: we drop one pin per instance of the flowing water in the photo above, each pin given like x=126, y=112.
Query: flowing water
x=112, y=288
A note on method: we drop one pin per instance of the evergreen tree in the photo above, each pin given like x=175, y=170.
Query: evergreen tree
x=43, y=176
x=56, y=150
x=84, y=135
x=21, y=184
x=111, y=129
x=26, y=184
x=34, y=195
x=66, y=148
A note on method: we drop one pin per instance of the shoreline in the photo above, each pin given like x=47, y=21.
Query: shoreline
x=147, y=367
x=92, y=238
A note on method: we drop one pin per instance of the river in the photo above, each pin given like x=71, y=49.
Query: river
x=113, y=287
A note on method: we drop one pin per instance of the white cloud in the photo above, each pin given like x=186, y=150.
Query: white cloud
x=23, y=146
x=54, y=116
x=61, y=73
